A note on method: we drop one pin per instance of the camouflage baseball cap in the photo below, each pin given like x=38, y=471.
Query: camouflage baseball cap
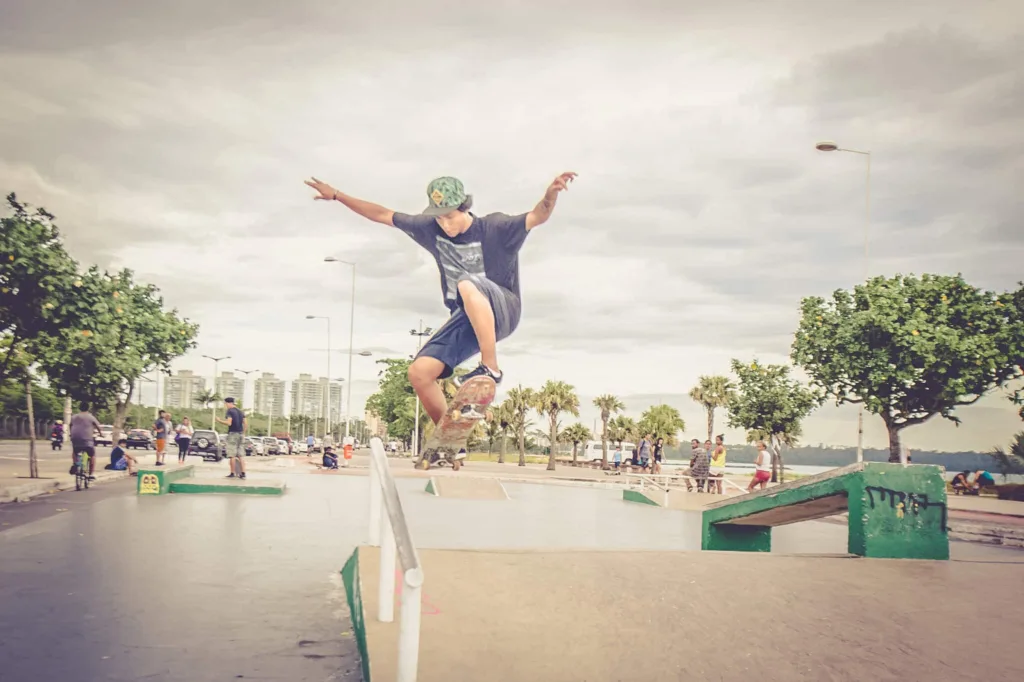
x=446, y=195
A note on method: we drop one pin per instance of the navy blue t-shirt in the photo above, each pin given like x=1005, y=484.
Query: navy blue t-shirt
x=237, y=419
x=490, y=247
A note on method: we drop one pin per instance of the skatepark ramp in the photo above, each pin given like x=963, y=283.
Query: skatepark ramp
x=389, y=531
x=467, y=488
x=183, y=479
x=895, y=511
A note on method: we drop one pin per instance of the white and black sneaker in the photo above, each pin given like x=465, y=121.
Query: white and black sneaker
x=482, y=370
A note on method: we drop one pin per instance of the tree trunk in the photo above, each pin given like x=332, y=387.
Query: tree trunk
x=894, y=442
x=33, y=459
x=522, y=446
x=778, y=466
x=604, y=442
x=120, y=412
x=504, y=447
x=67, y=411
x=711, y=423
x=554, y=436
x=575, y=444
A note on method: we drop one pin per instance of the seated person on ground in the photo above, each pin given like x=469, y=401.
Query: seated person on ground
x=983, y=479
x=960, y=483
x=330, y=459
x=120, y=459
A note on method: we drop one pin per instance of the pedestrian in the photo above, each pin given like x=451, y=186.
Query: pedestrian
x=235, y=447
x=617, y=457
x=310, y=444
x=160, y=432
x=762, y=468
x=718, y=462
x=184, y=438
x=659, y=448
x=644, y=451
x=82, y=430
x=478, y=261
x=699, y=465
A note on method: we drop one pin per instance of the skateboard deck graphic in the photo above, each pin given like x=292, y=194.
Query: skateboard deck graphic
x=465, y=411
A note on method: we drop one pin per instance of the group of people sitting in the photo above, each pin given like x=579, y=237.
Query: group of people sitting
x=971, y=483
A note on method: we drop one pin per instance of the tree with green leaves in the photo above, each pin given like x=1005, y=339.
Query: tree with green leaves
x=910, y=348
x=575, y=434
x=205, y=399
x=623, y=428
x=712, y=393
x=609, y=405
x=770, y=406
x=520, y=401
x=554, y=398
x=1010, y=460
x=36, y=274
x=502, y=417
x=662, y=421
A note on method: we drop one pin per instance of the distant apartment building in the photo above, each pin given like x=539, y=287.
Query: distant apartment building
x=270, y=395
x=308, y=397
x=228, y=385
x=180, y=389
x=375, y=426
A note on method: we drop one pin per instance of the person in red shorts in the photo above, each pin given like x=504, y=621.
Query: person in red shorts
x=762, y=468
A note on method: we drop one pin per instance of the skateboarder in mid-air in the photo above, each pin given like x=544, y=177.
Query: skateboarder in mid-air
x=477, y=257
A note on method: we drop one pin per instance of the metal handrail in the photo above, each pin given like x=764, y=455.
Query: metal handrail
x=665, y=481
x=390, y=531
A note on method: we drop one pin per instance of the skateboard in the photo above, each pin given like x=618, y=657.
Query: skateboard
x=447, y=445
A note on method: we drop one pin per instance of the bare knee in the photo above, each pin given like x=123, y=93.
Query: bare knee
x=468, y=290
x=424, y=371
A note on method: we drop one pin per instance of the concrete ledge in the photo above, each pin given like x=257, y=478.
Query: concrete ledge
x=157, y=480
x=228, y=485
x=42, y=486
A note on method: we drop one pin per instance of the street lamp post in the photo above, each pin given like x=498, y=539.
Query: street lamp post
x=416, y=425
x=829, y=146
x=213, y=408
x=245, y=389
x=327, y=398
x=351, y=334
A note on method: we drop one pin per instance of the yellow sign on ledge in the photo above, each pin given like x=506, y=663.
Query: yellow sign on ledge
x=149, y=484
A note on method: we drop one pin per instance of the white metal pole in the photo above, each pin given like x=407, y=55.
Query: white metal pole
x=376, y=500
x=351, y=330
x=327, y=417
x=213, y=406
x=409, y=632
x=386, y=584
x=416, y=424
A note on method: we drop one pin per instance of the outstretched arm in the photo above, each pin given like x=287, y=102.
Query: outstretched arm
x=542, y=211
x=368, y=210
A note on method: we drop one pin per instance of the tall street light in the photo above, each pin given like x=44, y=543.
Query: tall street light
x=351, y=330
x=416, y=425
x=327, y=398
x=213, y=408
x=245, y=389
x=829, y=146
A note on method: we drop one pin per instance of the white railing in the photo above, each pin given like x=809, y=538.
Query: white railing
x=665, y=481
x=388, y=530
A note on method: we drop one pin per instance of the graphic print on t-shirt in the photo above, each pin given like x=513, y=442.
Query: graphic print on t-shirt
x=457, y=260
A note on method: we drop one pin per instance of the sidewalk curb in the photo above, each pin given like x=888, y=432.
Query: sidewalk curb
x=25, y=492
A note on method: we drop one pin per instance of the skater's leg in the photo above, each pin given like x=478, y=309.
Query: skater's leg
x=481, y=316
x=423, y=375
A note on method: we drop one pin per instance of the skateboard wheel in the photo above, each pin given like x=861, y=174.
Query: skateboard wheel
x=456, y=464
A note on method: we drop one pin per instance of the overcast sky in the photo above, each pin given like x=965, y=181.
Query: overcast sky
x=173, y=137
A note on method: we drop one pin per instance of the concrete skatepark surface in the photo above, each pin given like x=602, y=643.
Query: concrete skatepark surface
x=217, y=587
x=572, y=616
x=468, y=488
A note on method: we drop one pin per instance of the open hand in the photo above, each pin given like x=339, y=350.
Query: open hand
x=327, y=192
x=560, y=184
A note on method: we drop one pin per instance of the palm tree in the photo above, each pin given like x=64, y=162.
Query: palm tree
x=1010, y=460
x=204, y=399
x=520, y=400
x=554, y=398
x=713, y=392
x=503, y=418
x=608, y=404
x=662, y=421
x=576, y=433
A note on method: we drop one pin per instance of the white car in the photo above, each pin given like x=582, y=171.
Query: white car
x=257, y=445
x=282, y=446
x=271, y=445
x=108, y=435
x=301, y=448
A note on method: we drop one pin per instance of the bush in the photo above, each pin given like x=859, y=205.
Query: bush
x=1011, y=491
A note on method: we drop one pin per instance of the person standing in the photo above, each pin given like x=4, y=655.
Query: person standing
x=617, y=458
x=762, y=468
x=310, y=444
x=644, y=452
x=659, y=447
x=83, y=427
x=718, y=463
x=184, y=438
x=160, y=432
x=235, y=421
x=699, y=468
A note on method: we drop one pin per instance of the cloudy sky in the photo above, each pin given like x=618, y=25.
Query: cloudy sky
x=174, y=140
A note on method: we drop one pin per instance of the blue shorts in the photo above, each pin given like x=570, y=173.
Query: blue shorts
x=455, y=341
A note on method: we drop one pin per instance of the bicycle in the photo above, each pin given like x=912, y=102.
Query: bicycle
x=82, y=471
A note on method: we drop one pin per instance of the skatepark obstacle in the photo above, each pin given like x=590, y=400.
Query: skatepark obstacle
x=895, y=511
x=182, y=479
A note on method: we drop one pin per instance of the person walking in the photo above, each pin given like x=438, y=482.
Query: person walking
x=699, y=468
x=718, y=463
x=160, y=429
x=617, y=457
x=644, y=451
x=235, y=421
x=659, y=448
x=762, y=468
x=184, y=438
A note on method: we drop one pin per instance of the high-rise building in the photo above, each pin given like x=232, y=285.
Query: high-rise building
x=180, y=389
x=308, y=397
x=228, y=385
x=375, y=426
x=269, y=395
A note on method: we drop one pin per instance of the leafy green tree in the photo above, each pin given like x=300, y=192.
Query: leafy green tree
x=395, y=400
x=36, y=273
x=712, y=392
x=609, y=405
x=770, y=405
x=575, y=434
x=910, y=348
x=520, y=401
x=554, y=398
x=208, y=398
x=623, y=428
x=1010, y=460
x=122, y=332
x=662, y=421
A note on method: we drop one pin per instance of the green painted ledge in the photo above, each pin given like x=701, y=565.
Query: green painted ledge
x=431, y=488
x=636, y=496
x=158, y=480
x=197, y=485
x=353, y=590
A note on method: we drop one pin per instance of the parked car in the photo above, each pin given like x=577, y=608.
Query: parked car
x=208, y=444
x=107, y=437
x=140, y=438
x=301, y=448
x=271, y=446
x=254, y=446
x=283, y=447
x=289, y=445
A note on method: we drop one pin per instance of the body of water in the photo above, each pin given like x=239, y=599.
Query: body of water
x=740, y=469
